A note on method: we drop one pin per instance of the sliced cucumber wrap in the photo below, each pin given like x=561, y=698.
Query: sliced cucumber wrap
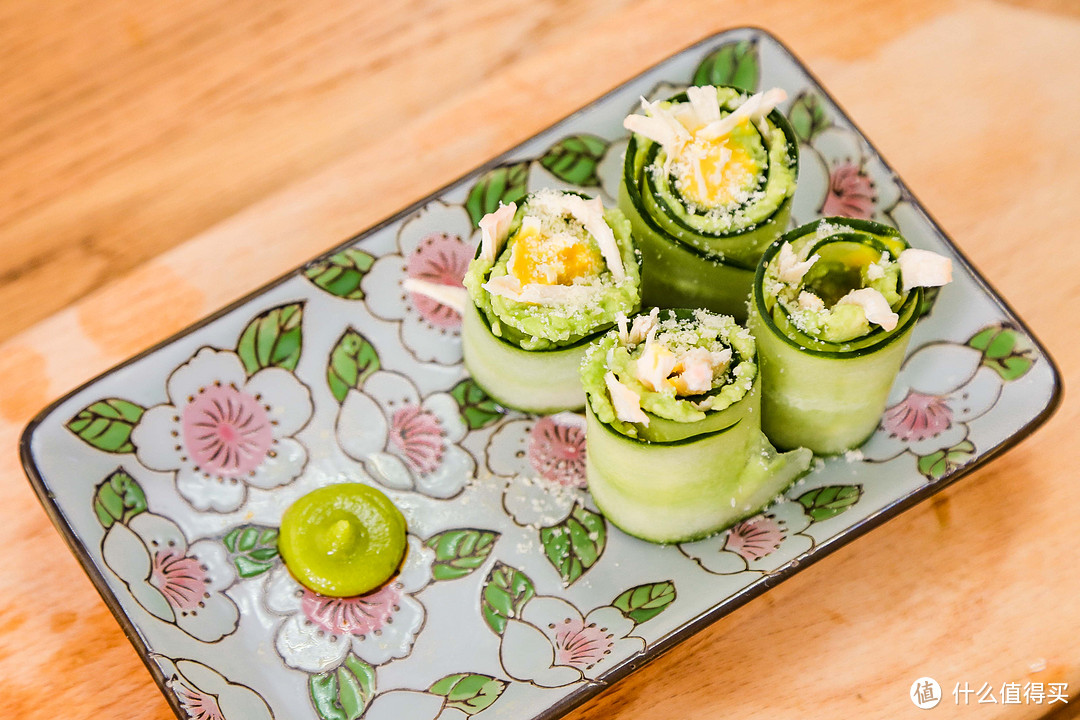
x=694, y=472
x=826, y=374
x=694, y=254
x=525, y=349
x=536, y=381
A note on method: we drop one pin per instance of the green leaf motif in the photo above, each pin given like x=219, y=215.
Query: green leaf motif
x=504, y=184
x=344, y=693
x=574, y=545
x=107, y=424
x=477, y=407
x=253, y=549
x=118, y=499
x=459, y=552
x=808, y=115
x=825, y=502
x=341, y=273
x=731, y=64
x=469, y=692
x=939, y=464
x=504, y=595
x=272, y=339
x=645, y=602
x=1007, y=351
x=351, y=361
x=574, y=159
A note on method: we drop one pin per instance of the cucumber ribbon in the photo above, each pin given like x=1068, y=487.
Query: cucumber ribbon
x=706, y=193
x=548, y=277
x=689, y=458
x=833, y=309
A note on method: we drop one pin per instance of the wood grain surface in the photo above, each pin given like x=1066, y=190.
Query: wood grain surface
x=158, y=160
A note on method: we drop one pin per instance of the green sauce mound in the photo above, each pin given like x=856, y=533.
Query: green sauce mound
x=343, y=540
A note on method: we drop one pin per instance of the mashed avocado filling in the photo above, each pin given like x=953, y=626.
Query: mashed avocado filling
x=567, y=269
x=678, y=366
x=836, y=285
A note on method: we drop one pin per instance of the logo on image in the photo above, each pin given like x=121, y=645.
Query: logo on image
x=925, y=693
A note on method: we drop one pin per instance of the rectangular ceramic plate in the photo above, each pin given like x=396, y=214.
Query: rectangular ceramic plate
x=169, y=474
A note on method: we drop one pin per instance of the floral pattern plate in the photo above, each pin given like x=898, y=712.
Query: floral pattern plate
x=169, y=474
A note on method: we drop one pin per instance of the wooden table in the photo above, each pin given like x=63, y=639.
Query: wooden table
x=158, y=160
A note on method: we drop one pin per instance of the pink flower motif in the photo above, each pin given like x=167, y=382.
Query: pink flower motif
x=205, y=694
x=941, y=388
x=419, y=435
x=851, y=192
x=581, y=646
x=917, y=417
x=196, y=704
x=319, y=632
x=443, y=259
x=840, y=175
x=435, y=245
x=755, y=537
x=557, y=451
x=223, y=431
x=543, y=462
x=552, y=645
x=178, y=583
x=761, y=543
x=182, y=579
x=227, y=431
x=358, y=616
x=407, y=442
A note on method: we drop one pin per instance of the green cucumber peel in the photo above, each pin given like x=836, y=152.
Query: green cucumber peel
x=537, y=381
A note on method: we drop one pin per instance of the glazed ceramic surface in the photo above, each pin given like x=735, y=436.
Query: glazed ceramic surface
x=169, y=474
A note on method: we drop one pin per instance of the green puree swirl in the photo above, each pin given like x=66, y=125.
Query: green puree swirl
x=342, y=540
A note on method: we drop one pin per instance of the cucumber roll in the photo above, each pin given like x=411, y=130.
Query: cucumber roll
x=548, y=277
x=674, y=444
x=834, y=305
x=707, y=183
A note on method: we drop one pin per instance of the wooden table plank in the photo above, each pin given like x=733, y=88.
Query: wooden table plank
x=130, y=128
